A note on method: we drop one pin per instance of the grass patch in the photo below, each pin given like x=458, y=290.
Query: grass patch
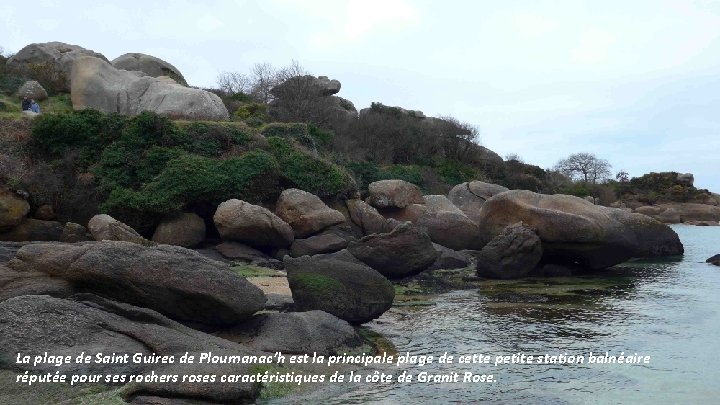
x=273, y=390
x=380, y=343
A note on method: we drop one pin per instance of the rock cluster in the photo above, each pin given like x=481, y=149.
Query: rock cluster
x=95, y=83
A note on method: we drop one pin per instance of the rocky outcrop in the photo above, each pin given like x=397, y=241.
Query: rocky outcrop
x=31, y=229
x=186, y=230
x=174, y=281
x=32, y=90
x=97, y=84
x=296, y=333
x=53, y=58
x=305, y=212
x=237, y=220
x=405, y=251
x=339, y=284
x=394, y=194
x=105, y=227
x=13, y=209
x=149, y=65
x=320, y=86
x=17, y=283
x=73, y=233
x=511, y=254
x=574, y=230
x=38, y=324
x=469, y=197
x=367, y=217
x=686, y=179
x=714, y=260
x=674, y=213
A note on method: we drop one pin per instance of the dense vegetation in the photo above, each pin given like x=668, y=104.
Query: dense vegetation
x=145, y=167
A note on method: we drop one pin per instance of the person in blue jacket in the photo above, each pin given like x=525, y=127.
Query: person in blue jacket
x=34, y=107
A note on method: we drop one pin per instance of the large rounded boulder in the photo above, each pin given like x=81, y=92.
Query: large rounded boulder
x=469, y=197
x=447, y=225
x=53, y=58
x=13, y=209
x=575, y=230
x=339, y=284
x=305, y=212
x=32, y=90
x=97, y=84
x=105, y=227
x=179, y=283
x=511, y=254
x=393, y=194
x=404, y=251
x=149, y=65
x=254, y=225
x=186, y=230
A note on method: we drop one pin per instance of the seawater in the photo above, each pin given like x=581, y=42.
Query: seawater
x=666, y=309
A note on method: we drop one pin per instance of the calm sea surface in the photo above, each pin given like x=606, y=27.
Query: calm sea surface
x=669, y=310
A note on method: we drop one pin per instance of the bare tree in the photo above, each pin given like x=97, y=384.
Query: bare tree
x=258, y=84
x=233, y=82
x=585, y=167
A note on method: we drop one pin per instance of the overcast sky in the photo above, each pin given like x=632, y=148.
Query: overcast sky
x=635, y=82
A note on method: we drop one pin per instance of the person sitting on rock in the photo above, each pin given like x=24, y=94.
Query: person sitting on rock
x=34, y=107
x=25, y=104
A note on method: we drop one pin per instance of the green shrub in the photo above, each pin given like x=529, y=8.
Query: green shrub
x=87, y=131
x=364, y=173
x=191, y=180
x=308, y=135
x=300, y=169
x=454, y=172
x=257, y=111
x=9, y=84
x=410, y=173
